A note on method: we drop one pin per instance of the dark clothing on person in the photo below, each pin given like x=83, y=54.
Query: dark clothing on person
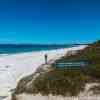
x=46, y=58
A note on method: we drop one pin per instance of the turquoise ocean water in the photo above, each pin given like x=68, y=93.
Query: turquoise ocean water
x=12, y=49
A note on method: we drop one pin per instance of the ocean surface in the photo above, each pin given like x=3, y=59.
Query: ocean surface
x=12, y=49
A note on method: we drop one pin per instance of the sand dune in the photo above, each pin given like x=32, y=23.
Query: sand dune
x=14, y=67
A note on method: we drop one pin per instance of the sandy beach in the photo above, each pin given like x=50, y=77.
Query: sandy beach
x=14, y=67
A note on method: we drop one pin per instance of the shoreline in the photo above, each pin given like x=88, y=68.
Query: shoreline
x=16, y=66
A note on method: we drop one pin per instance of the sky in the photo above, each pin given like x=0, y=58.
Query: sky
x=49, y=21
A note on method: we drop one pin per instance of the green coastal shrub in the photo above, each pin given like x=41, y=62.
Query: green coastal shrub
x=65, y=82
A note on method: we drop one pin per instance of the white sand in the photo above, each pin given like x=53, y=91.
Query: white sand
x=14, y=67
x=50, y=97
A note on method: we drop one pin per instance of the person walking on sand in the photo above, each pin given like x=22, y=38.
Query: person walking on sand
x=46, y=58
